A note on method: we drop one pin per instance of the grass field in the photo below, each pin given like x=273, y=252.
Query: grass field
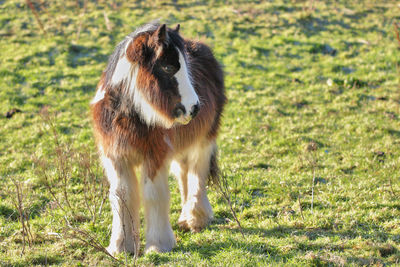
x=310, y=140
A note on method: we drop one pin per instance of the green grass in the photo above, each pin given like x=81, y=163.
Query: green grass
x=311, y=91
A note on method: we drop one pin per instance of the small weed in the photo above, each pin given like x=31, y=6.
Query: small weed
x=19, y=202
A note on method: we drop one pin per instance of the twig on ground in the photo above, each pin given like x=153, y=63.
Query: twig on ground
x=107, y=21
x=40, y=171
x=63, y=162
x=393, y=169
x=310, y=8
x=114, y=5
x=311, y=148
x=102, y=201
x=397, y=32
x=85, y=237
x=134, y=231
x=395, y=172
x=95, y=191
x=62, y=159
x=300, y=207
x=391, y=188
x=94, y=187
x=22, y=213
x=34, y=11
x=82, y=15
x=312, y=191
x=223, y=187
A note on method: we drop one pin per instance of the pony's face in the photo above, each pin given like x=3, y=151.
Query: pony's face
x=160, y=86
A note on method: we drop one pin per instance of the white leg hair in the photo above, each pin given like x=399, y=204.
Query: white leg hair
x=159, y=234
x=196, y=209
x=180, y=171
x=125, y=204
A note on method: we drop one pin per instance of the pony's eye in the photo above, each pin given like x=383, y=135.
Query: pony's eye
x=169, y=69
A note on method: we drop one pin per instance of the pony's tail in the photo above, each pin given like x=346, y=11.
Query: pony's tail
x=214, y=172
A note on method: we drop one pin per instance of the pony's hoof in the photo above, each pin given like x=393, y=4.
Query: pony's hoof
x=152, y=249
x=195, y=217
x=117, y=249
x=183, y=225
x=193, y=225
x=190, y=225
x=158, y=248
x=113, y=250
x=165, y=245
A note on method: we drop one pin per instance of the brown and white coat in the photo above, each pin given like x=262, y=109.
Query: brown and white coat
x=158, y=104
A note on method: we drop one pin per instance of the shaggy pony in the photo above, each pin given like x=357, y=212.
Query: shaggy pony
x=158, y=104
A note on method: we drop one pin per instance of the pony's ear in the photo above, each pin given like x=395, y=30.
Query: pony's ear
x=160, y=34
x=136, y=49
x=177, y=27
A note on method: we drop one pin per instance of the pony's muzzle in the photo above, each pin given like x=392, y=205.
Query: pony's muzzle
x=181, y=115
x=179, y=111
x=195, y=110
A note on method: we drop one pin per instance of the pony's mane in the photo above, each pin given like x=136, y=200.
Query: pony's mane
x=121, y=47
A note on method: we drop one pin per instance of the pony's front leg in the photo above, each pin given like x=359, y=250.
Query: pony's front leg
x=196, y=209
x=159, y=234
x=125, y=203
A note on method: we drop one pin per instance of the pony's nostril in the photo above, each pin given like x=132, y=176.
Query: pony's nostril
x=195, y=110
x=179, y=110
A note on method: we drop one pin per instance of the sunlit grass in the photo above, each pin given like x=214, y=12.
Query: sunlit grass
x=297, y=75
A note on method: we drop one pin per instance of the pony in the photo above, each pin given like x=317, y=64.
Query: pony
x=158, y=104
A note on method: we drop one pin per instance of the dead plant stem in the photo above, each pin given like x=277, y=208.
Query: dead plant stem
x=226, y=195
x=34, y=11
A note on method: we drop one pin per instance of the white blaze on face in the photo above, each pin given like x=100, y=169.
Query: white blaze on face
x=189, y=97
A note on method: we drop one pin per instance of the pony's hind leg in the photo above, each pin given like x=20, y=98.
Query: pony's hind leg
x=159, y=234
x=196, y=210
x=125, y=204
